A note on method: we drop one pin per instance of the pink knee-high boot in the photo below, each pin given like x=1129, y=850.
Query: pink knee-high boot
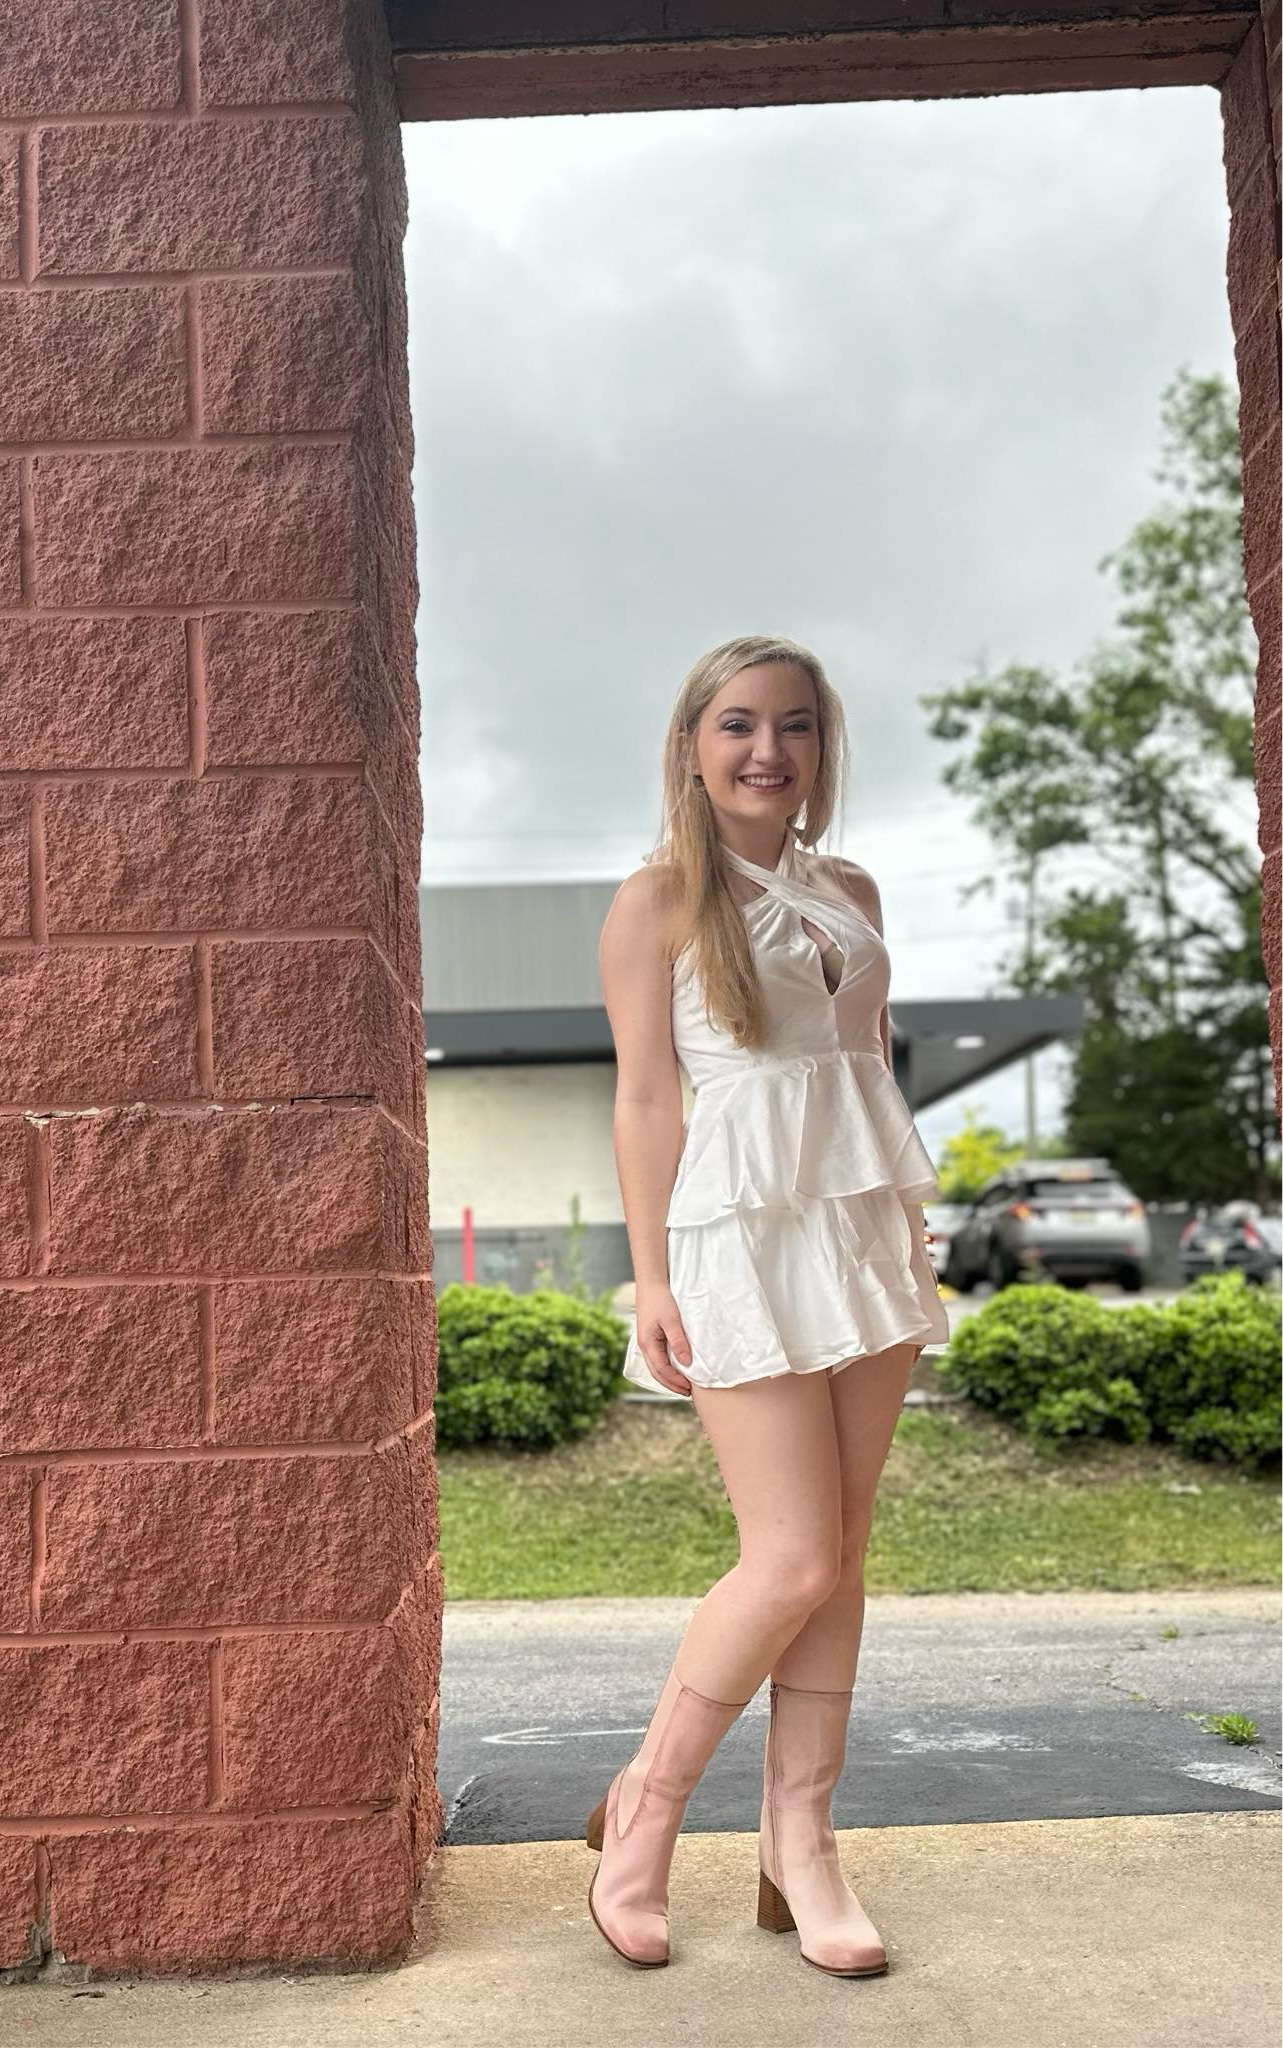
x=800, y=1884
x=628, y=1897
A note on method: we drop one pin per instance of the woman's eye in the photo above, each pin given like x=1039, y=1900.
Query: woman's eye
x=738, y=725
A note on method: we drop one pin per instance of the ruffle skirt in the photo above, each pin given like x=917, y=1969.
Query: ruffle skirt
x=822, y=1283
x=795, y=1228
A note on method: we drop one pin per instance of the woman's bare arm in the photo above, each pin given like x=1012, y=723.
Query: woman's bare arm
x=635, y=961
x=636, y=981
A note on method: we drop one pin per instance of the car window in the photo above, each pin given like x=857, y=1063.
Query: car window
x=944, y=1215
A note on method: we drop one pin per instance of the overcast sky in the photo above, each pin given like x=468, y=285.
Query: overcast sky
x=884, y=378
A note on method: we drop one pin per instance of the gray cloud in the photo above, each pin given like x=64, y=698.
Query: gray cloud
x=884, y=378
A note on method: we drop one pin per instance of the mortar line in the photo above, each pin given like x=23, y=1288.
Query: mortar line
x=28, y=206
x=206, y=1354
x=39, y=1542
x=217, y=1727
x=195, y=363
x=209, y=1453
x=197, y=698
x=37, y=862
x=26, y=532
x=189, y=60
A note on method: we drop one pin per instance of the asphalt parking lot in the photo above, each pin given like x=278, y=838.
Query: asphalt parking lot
x=969, y=1707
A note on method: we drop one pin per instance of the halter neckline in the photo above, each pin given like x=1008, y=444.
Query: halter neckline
x=792, y=880
x=785, y=865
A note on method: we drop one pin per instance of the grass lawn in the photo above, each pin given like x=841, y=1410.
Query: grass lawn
x=965, y=1505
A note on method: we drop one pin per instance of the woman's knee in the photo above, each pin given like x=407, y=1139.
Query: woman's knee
x=796, y=1585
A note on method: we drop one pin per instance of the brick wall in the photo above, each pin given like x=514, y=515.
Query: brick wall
x=219, y=1589
x=1250, y=101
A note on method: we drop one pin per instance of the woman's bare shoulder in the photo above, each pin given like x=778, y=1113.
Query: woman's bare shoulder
x=649, y=888
x=646, y=906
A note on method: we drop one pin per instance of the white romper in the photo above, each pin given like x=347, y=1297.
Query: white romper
x=795, y=1227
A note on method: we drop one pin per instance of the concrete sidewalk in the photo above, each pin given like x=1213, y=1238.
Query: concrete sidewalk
x=1157, y=1930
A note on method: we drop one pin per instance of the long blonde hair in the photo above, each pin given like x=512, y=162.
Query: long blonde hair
x=690, y=845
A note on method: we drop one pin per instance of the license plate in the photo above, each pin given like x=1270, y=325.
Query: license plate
x=1215, y=1247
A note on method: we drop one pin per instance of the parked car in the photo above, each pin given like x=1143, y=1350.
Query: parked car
x=1072, y=1220
x=1235, y=1234
x=941, y=1219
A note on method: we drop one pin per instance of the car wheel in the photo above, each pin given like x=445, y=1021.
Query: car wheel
x=1131, y=1279
x=961, y=1283
x=996, y=1270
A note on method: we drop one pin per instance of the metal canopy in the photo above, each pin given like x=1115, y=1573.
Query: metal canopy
x=510, y=976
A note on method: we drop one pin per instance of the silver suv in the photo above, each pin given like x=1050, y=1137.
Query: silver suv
x=1051, y=1219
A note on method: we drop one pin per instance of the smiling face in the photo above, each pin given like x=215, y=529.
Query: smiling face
x=757, y=747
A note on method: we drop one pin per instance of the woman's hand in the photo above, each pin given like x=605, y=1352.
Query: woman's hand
x=659, y=1328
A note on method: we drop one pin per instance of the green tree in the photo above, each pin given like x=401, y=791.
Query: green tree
x=1145, y=754
x=965, y=1161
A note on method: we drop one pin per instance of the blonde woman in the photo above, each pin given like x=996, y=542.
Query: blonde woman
x=778, y=1248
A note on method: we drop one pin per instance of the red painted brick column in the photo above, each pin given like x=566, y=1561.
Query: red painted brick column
x=219, y=1588
x=1250, y=105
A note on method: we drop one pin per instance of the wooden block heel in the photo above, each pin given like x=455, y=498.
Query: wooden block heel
x=805, y=1745
x=595, y=1831
x=772, y=1907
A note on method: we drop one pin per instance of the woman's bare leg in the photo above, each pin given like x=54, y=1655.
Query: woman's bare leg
x=776, y=1449
x=775, y=1446
x=867, y=1398
x=812, y=1685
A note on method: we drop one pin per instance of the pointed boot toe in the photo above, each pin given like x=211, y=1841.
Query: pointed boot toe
x=628, y=1896
x=638, y=1937
x=848, y=1959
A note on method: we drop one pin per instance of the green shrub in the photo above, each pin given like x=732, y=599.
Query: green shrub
x=531, y=1369
x=1055, y=1362
x=1201, y=1371
x=1208, y=1372
x=1250, y=1439
x=1115, y=1409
